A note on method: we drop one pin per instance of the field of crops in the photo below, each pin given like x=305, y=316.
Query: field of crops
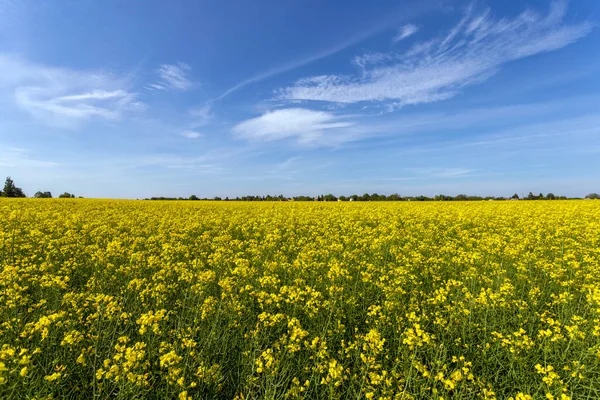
x=130, y=299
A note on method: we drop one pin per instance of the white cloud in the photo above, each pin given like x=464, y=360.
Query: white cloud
x=155, y=86
x=78, y=106
x=64, y=97
x=202, y=115
x=305, y=125
x=173, y=76
x=374, y=28
x=210, y=161
x=437, y=69
x=405, y=31
x=191, y=134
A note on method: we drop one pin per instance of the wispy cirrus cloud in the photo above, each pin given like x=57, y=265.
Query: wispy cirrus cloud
x=62, y=96
x=210, y=161
x=304, y=125
x=201, y=115
x=472, y=51
x=97, y=103
x=374, y=28
x=190, y=134
x=285, y=166
x=405, y=31
x=173, y=77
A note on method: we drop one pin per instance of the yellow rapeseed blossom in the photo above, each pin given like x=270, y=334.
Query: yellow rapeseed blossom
x=393, y=301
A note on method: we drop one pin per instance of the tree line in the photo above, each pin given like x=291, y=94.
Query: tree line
x=379, y=197
x=11, y=190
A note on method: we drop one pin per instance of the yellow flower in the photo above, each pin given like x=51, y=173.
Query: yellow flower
x=53, y=377
x=184, y=396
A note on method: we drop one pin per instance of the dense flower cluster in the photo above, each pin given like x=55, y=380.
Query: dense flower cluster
x=197, y=300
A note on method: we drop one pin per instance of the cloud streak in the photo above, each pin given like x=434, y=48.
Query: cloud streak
x=306, y=126
x=405, y=31
x=173, y=77
x=202, y=115
x=191, y=134
x=472, y=51
x=376, y=28
x=64, y=97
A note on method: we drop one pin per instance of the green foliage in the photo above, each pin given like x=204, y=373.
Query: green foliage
x=10, y=190
x=42, y=195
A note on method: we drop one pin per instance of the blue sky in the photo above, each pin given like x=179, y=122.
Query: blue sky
x=155, y=98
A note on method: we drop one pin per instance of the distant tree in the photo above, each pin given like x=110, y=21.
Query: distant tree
x=593, y=196
x=10, y=190
x=66, y=195
x=303, y=198
x=394, y=197
x=354, y=197
x=42, y=195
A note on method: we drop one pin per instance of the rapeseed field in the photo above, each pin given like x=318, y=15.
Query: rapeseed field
x=103, y=299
